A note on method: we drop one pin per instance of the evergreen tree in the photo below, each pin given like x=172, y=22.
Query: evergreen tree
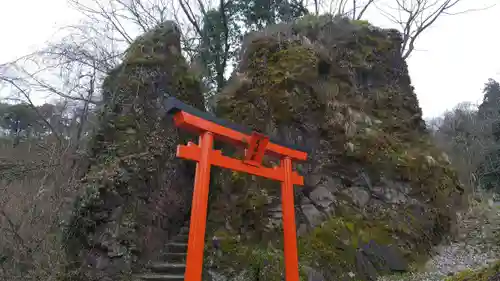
x=489, y=114
x=224, y=27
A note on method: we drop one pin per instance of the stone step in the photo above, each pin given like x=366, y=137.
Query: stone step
x=183, y=238
x=176, y=247
x=168, y=268
x=184, y=230
x=173, y=257
x=161, y=277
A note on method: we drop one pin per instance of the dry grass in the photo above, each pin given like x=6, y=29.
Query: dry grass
x=36, y=186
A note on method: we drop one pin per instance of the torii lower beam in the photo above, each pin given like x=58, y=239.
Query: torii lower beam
x=210, y=128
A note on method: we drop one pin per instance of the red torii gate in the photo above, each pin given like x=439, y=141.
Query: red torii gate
x=209, y=127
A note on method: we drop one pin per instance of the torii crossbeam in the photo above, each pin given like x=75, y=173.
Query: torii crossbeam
x=208, y=128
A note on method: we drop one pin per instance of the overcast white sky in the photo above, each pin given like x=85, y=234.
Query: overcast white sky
x=455, y=56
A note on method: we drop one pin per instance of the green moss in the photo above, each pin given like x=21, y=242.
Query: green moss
x=477, y=275
x=253, y=258
x=274, y=68
x=311, y=21
x=363, y=23
x=331, y=247
x=416, y=162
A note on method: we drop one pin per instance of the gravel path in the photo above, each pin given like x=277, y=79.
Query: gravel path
x=476, y=245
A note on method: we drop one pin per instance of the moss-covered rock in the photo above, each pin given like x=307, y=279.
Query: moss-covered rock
x=490, y=273
x=374, y=178
x=135, y=192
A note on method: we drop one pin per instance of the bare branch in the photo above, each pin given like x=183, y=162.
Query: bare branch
x=356, y=11
x=30, y=102
x=416, y=16
x=191, y=16
x=364, y=8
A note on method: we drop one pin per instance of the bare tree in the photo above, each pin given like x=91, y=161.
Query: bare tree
x=467, y=141
x=354, y=9
x=36, y=183
x=68, y=69
x=35, y=187
x=73, y=79
x=37, y=176
x=15, y=84
x=120, y=21
x=415, y=16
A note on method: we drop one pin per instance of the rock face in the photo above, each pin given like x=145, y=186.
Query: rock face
x=378, y=194
x=135, y=193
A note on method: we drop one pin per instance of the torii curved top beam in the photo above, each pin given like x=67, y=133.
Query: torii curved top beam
x=197, y=121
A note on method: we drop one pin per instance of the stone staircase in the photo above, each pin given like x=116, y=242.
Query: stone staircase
x=172, y=264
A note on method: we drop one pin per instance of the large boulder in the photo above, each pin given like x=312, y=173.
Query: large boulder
x=378, y=194
x=136, y=194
